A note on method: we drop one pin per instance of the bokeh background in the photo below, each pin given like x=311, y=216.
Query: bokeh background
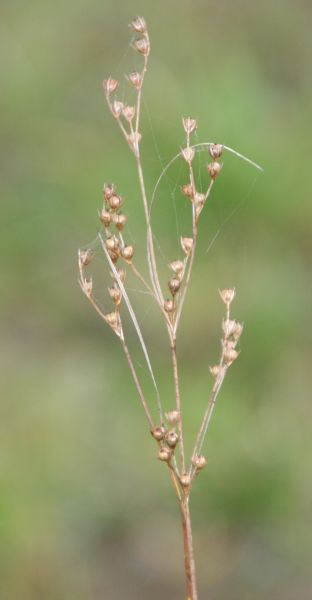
x=86, y=511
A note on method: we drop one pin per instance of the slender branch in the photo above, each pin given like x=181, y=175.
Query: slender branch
x=137, y=384
x=178, y=402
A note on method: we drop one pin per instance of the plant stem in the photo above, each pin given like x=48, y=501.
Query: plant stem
x=189, y=561
x=178, y=401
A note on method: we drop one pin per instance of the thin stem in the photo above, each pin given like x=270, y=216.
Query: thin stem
x=137, y=384
x=178, y=401
x=189, y=561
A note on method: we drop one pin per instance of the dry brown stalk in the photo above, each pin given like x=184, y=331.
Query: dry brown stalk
x=169, y=431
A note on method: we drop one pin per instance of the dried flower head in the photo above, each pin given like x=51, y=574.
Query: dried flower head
x=113, y=319
x=214, y=169
x=115, y=295
x=135, y=79
x=188, y=154
x=128, y=112
x=85, y=257
x=87, y=286
x=134, y=139
x=172, y=438
x=177, y=267
x=142, y=46
x=173, y=417
x=117, y=108
x=164, y=454
x=105, y=217
x=119, y=221
x=158, y=433
x=139, y=25
x=199, y=462
x=227, y=295
x=230, y=355
x=169, y=306
x=187, y=190
x=174, y=285
x=112, y=243
x=189, y=125
x=187, y=245
x=108, y=190
x=215, y=151
x=115, y=202
x=110, y=85
x=215, y=370
x=185, y=480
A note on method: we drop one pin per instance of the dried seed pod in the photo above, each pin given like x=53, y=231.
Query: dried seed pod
x=188, y=190
x=113, y=320
x=117, y=108
x=230, y=355
x=215, y=370
x=188, y=154
x=189, y=125
x=227, y=295
x=108, y=190
x=187, y=245
x=172, y=438
x=177, y=267
x=215, y=151
x=238, y=331
x=229, y=327
x=119, y=221
x=158, y=432
x=173, y=417
x=135, y=79
x=139, y=25
x=85, y=257
x=127, y=252
x=128, y=112
x=164, y=454
x=199, y=462
x=199, y=198
x=110, y=85
x=214, y=169
x=142, y=46
x=115, y=202
x=112, y=243
x=105, y=218
x=134, y=139
x=185, y=480
x=169, y=306
x=115, y=295
x=174, y=285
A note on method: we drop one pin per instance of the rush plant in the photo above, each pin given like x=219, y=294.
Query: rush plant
x=168, y=429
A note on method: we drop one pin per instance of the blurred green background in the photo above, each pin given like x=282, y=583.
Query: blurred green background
x=86, y=511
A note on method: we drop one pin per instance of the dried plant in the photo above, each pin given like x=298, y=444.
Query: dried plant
x=168, y=431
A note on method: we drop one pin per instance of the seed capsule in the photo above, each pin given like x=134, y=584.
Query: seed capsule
x=199, y=462
x=214, y=169
x=135, y=79
x=177, y=267
x=110, y=85
x=172, y=439
x=173, y=417
x=215, y=370
x=85, y=257
x=127, y=252
x=189, y=125
x=108, y=190
x=128, y=112
x=87, y=286
x=105, y=218
x=115, y=202
x=188, y=190
x=185, y=480
x=117, y=108
x=215, y=151
x=119, y=221
x=227, y=295
x=158, y=433
x=115, y=295
x=138, y=24
x=164, y=454
x=187, y=245
x=112, y=243
x=169, y=306
x=142, y=46
x=188, y=154
x=174, y=285
x=230, y=355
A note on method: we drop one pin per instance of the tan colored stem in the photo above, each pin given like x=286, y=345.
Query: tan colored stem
x=178, y=402
x=189, y=561
x=137, y=384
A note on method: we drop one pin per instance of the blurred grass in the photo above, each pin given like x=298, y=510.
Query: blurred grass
x=85, y=510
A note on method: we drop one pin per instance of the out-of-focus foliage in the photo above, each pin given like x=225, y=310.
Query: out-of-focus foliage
x=86, y=511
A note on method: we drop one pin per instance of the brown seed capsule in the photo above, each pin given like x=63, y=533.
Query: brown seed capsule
x=188, y=190
x=128, y=112
x=188, y=154
x=189, y=125
x=164, y=454
x=110, y=85
x=108, y=190
x=112, y=243
x=172, y=439
x=113, y=320
x=169, y=306
x=117, y=108
x=127, y=252
x=187, y=245
x=215, y=151
x=173, y=417
x=174, y=285
x=115, y=295
x=185, y=480
x=119, y=221
x=105, y=218
x=142, y=46
x=229, y=327
x=115, y=202
x=214, y=169
x=230, y=355
x=158, y=433
x=85, y=257
x=138, y=24
x=135, y=79
x=215, y=370
x=199, y=462
x=177, y=267
x=238, y=331
x=227, y=295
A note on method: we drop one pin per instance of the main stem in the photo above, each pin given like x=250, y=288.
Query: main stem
x=189, y=561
